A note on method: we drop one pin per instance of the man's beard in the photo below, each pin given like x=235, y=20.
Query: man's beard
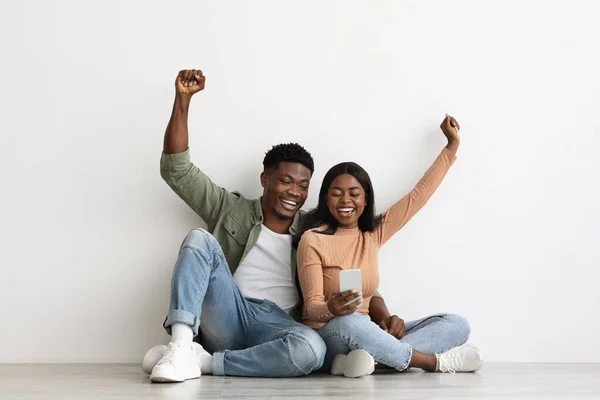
x=281, y=216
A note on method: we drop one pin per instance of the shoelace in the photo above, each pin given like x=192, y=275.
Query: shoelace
x=450, y=363
x=171, y=351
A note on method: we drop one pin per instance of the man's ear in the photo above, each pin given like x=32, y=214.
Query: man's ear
x=263, y=179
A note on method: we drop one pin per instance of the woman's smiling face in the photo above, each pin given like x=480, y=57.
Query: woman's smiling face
x=346, y=200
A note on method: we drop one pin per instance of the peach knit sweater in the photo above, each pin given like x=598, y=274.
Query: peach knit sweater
x=321, y=257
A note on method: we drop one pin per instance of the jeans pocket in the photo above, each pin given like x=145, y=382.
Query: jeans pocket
x=269, y=314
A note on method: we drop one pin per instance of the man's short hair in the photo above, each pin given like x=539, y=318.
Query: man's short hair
x=290, y=152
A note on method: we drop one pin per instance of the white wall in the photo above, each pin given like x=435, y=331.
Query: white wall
x=90, y=232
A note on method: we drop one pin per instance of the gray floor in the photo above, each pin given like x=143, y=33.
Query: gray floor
x=126, y=381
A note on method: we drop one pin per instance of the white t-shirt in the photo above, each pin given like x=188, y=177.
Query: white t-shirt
x=266, y=271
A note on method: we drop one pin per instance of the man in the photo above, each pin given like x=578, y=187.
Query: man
x=236, y=286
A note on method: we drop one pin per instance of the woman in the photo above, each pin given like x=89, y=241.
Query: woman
x=343, y=232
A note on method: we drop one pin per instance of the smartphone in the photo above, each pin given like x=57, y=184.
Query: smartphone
x=351, y=279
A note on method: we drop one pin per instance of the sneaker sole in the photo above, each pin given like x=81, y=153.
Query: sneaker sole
x=162, y=379
x=166, y=379
x=356, y=364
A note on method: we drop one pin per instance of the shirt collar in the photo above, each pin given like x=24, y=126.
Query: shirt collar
x=258, y=213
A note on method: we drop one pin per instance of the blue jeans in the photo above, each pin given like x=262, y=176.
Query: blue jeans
x=432, y=335
x=248, y=337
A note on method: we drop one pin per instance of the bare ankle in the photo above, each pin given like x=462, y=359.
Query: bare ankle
x=427, y=362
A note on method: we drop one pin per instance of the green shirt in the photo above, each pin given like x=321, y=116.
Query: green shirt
x=231, y=218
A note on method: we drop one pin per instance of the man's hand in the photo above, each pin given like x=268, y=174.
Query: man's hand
x=189, y=82
x=393, y=325
x=450, y=128
x=337, y=303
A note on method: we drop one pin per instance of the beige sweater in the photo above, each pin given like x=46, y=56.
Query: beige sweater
x=321, y=257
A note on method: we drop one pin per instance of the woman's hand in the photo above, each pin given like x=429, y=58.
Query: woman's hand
x=393, y=325
x=450, y=129
x=338, y=302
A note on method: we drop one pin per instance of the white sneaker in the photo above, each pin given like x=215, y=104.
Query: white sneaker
x=153, y=356
x=465, y=358
x=178, y=364
x=355, y=364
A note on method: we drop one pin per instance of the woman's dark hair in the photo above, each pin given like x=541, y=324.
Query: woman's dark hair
x=320, y=216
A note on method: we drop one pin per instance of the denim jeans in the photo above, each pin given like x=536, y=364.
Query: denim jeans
x=432, y=335
x=248, y=337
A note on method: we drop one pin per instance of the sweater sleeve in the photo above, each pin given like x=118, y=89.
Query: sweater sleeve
x=310, y=274
x=400, y=213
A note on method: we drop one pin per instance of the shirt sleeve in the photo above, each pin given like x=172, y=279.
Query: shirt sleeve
x=310, y=274
x=194, y=187
x=400, y=213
